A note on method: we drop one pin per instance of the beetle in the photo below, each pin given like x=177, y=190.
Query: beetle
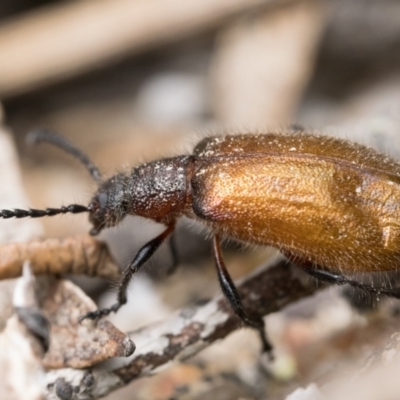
x=330, y=205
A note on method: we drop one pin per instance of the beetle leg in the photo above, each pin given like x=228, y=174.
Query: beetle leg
x=142, y=256
x=174, y=255
x=338, y=279
x=231, y=293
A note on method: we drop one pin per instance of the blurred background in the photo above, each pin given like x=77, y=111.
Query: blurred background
x=134, y=80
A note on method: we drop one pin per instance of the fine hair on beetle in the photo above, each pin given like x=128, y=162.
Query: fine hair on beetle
x=330, y=206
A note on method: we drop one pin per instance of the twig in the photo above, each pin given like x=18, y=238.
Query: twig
x=185, y=333
x=75, y=255
x=252, y=88
x=67, y=40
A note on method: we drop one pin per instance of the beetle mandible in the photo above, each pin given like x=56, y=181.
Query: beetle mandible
x=330, y=205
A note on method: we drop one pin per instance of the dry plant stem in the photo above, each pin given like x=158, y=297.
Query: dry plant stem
x=262, y=294
x=75, y=255
x=98, y=32
x=186, y=333
x=251, y=88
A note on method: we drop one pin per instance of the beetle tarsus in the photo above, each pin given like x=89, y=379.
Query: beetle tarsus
x=103, y=312
x=259, y=325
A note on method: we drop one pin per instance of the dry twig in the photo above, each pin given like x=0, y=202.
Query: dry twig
x=66, y=40
x=262, y=65
x=184, y=334
x=80, y=255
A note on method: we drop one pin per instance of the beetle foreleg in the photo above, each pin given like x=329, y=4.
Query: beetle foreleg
x=338, y=279
x=142, y=256
x=231, y=293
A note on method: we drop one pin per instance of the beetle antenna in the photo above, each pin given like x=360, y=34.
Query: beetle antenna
x=43, y=135
x=48, y=212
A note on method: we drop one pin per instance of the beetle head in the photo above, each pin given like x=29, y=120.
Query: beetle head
x=110, y=204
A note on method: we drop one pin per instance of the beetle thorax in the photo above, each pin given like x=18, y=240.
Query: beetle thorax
x=159, y=188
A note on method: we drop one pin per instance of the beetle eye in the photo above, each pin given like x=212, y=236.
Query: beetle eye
x=103, y=197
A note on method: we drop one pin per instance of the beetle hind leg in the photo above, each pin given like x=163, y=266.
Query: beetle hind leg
x=231, y=293
x=338, y=279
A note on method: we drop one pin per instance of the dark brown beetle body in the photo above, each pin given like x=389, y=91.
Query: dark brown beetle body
x=330, y=205
x=320, y=199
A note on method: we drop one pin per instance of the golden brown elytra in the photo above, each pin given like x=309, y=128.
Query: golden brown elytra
x=330, y=205
x=329, y=201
